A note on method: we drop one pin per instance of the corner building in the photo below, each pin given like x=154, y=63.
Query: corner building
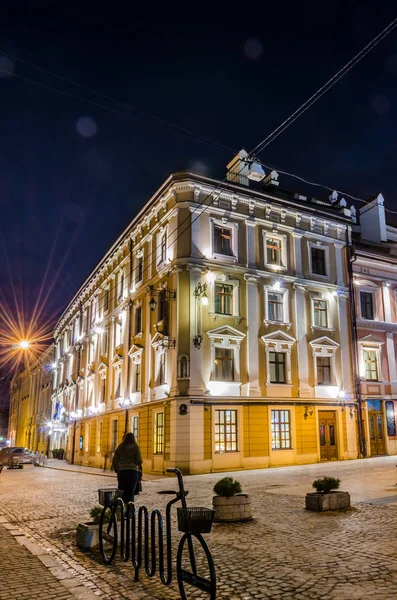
x=216, y=329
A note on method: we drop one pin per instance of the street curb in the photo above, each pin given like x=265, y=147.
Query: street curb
x=75, y=471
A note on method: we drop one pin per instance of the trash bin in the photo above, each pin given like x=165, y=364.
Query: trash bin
x=107, y=496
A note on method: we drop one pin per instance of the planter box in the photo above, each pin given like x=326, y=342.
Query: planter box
x=236, y=508
x=321, y=502
x=87, y=536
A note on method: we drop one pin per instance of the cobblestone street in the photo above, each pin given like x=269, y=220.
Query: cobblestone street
x=285, y=552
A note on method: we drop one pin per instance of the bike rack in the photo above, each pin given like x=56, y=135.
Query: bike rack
x=138, y=526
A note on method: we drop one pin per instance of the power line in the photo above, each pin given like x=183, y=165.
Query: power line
x=327, y=86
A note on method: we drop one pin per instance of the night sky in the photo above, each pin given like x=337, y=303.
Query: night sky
x=73, y=174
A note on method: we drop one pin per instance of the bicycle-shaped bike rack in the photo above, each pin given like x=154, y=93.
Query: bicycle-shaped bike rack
x=134, y=533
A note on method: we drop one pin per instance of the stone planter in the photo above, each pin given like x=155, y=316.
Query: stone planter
x=236, y=508
x=321, y=502
x=87, y=536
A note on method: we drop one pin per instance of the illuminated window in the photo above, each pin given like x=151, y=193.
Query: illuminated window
x=223, y=299
x=281, y=429
x=138, y=320
x=371, y=365
x=135, y=427
x=273, y=251
x=320, y=313
x=159, y=433
x=139, y=269
x=137, y=377
x=225, y=431
x=275, y=306
x=224, y=364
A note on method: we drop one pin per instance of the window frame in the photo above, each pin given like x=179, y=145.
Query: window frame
x=282, y=238
x=325, y=248
x=224, y=361
x=277, y=364
x=233, y=228
x=278, y=341
x=284, y=292
x=320, y=366
x=376, y=351
x=222, y=297
x=371, y=294
x=221, y=434
x=159, y=439
x=277, y=440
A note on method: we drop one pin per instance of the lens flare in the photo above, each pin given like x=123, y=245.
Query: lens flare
x=24, y=344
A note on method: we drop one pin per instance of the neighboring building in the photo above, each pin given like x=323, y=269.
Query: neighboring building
x=217, y=329
x=374, y=266
x=3, y=426
x=30, y=405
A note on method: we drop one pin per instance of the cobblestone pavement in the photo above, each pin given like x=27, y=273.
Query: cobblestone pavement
x=23, y=575
x=284, y=553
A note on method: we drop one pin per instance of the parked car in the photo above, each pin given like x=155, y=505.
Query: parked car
x=15, y=457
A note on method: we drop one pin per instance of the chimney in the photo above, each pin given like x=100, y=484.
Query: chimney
x=372, y=220
x=237, y=169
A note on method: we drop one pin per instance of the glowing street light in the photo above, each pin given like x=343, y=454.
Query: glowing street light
x=24, y=344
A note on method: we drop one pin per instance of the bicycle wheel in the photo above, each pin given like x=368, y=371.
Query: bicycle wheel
x=195, y=567
x=108, y=534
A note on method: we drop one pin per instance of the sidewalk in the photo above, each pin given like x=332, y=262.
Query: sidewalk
x=24, y=575
x=62, y=465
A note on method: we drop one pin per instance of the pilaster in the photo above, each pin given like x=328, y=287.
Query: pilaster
x=339, y=263
x=253, y=318
x=297, y=252
x=386, y=301
x=345, y=378
x=250, y=229
x=301, y=336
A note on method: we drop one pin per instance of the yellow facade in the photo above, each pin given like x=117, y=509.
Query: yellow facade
x=219, y=336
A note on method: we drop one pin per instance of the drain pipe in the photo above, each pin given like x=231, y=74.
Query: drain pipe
x=351, y=258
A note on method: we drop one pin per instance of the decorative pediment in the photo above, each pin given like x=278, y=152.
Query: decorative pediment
x=324, y=341
x=370, y=340
x=135, y=349
x=324, y=346
x=162, y=342
x=226, y=335
x=102, y=369
x=90, y=375
x=278, y=336
x=367, y=283
x=118, y=360
x=278, y=341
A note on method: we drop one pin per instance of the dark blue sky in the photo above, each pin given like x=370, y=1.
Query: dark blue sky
x=78, y=173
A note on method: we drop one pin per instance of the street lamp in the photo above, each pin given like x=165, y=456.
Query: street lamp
x=24, y=344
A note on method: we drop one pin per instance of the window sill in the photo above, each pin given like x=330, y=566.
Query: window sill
x=319, y=328
x=268, y=322
x=226, y=257
x=277, y=268
x=214, y=316
x=281, y=449
x=278, y=384
x=137, y=284
x=228, y=452
x=318, y=276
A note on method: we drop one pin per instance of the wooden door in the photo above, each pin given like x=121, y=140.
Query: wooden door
x=376, y=433
x=327, y=434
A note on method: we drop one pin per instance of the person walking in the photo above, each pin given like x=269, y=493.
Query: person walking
x=127, y=462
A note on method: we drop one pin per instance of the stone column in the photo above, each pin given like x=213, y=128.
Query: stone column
x=386, y=302
x=301, y=337
x=345, y=379
x=250, y=231
x=297, y=252
x=253, y=319
x=339, y=248
x=195, y=216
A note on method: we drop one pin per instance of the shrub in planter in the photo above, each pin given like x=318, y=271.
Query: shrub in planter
x=55, y=453
x=229, y=503
x=326, y=484
x=326, y=497
x=60, y=453
x=87, y=535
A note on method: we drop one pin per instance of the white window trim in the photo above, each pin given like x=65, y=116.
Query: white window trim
x=159, y=262
x=320, y=296
x=325, y=247
x=234, y=229
x=278, y=341
x=324, y=347
x=139, y=254
x=236, y=296
x=285, y=294
x=135, y=355
x=283, y=239
x=230, y=339
x=292, y=427
x=370, y=288
x=138, y=304
x=371, y=346
x=122, y=292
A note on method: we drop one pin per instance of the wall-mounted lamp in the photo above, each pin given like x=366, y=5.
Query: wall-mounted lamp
x=308, y=412
x=152, y=304
x=197, y=341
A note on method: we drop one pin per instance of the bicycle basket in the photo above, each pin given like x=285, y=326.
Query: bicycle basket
x=107, y=496
x=195, y=519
